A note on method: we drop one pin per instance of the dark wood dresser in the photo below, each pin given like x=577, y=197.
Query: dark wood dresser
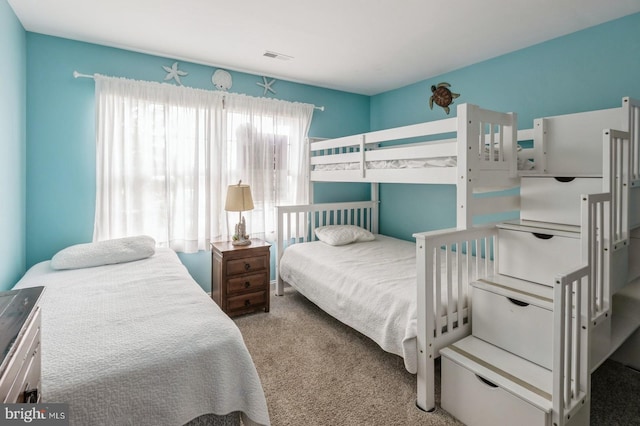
x=20, y=345
x=240, y=276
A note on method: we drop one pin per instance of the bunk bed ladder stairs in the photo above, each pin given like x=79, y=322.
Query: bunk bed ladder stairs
x=527, y=360
x=543, y=323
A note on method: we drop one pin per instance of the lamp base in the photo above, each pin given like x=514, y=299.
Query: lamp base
x=241, y=242
x=241, y=238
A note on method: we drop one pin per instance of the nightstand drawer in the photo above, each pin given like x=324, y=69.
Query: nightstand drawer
x=249, y=264
x=247, y=301
x=247, y=283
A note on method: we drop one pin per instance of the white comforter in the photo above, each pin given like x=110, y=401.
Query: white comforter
x=140, y=343
x=370, y=286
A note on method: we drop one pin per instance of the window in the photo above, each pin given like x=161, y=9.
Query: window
x=166, y=154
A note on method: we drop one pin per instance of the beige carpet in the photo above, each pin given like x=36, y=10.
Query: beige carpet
x=316, y=371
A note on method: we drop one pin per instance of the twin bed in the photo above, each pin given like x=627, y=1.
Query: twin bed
x=138, y=342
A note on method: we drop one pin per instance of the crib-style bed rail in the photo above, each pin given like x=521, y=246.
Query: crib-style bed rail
x=444, y=309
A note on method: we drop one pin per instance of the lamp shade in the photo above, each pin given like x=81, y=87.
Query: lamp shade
x=238, y=198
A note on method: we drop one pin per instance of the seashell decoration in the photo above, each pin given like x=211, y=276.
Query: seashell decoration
x=222, y=80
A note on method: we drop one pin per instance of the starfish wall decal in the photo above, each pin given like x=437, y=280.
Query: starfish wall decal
x=173, y=73
x=267, y=85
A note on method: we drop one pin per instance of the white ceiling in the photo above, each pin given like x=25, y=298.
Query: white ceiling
x=360, y=46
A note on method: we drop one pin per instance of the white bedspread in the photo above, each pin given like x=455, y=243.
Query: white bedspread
x=383, y=308
x=140, y=343
x=418, y=163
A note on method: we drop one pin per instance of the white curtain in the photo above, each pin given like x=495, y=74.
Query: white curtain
x=270, y=154
x=166, y=154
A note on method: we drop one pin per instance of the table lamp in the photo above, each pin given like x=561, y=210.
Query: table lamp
x=239, y=200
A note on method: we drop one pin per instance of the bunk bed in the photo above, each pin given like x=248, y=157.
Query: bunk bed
x=475, y=151
x=574, y=154
x=128, y=337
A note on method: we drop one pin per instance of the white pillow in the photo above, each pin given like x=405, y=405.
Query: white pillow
x=107, y=252
x=338, y=235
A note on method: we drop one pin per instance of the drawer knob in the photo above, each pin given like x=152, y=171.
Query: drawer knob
x=247, y=266
x=247, y=284
x=247, y=302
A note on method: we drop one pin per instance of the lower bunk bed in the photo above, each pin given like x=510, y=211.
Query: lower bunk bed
x=128, y=341
x=381, y=286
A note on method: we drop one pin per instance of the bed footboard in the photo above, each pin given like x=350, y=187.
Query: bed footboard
x=447, y=262
x=296, y=224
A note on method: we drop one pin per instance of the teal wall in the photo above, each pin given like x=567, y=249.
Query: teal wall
x=586, y=70
x=13, y=64
x=61, y=142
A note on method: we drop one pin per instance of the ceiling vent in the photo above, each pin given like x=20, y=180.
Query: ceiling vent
x=275, y=55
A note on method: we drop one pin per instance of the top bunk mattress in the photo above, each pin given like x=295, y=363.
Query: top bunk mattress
x=524, y=163
x=418, y=163
x=141, y=343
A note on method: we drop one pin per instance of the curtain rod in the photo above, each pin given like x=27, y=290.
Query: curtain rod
x=76, y=74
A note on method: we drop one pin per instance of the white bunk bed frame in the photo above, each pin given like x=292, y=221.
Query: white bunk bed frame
x=485, y=147
x=607, y=219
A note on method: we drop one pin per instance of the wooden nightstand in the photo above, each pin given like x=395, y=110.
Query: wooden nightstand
x=240, y=276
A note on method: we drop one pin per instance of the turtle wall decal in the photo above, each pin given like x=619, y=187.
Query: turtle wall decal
x=442, y=96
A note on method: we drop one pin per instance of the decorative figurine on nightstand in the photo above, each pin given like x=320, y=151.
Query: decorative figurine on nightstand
x=241, y=238
x=239, y=200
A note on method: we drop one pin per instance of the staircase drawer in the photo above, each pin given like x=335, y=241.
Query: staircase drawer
x=556, y=200
x=537, y=256
x=524, y=329
x=477, y=403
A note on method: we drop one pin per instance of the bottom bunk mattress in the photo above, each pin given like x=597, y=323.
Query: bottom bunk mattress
x=369, y=286
x=140, y=343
